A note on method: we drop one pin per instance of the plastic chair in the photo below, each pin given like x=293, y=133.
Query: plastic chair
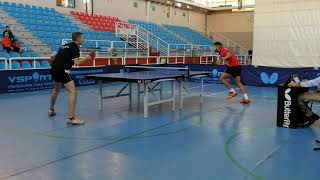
x=15, y=65
x=26, y=65
x=2, y=65
x=38, y=65
x=15, y=54
x=5, y=55
x=25, y=54
x=45, y=64
x=33, y=54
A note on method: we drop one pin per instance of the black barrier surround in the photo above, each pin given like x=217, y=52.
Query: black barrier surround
x=289, y=114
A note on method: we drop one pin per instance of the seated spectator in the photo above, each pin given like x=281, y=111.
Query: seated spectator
x=308, y=96
x=10, y=33
x=9, y=45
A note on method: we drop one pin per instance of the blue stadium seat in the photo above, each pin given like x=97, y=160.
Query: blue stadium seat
x=55, y=48
x=4, y=55
x=45, y=64
x=25, y=54
x=26, y=65
x=15, y=65
x=2, y=65
x=6, y=4
x=27, y=6
x=7, y=8
x=38, y=65
x=13, y=4
x=33, y=54
x=15, y=54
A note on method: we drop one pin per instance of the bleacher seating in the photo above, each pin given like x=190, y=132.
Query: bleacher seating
x=51, y=27
x=159, y=32
x=2, y=65
x=15, y=65
x=97, y=22
x=191, y=35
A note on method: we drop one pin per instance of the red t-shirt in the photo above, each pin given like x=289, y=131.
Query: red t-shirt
x=232, y=61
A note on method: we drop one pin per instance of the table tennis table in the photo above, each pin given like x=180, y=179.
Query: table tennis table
x=151, y=79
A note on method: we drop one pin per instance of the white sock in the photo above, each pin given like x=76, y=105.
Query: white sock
x=232, y=90
x=245, y=95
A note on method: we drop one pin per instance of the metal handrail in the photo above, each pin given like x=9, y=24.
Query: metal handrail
x=26, y=59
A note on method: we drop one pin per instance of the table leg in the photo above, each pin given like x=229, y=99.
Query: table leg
x=138, y=95
x=100, y=95
x=201, y=91
x=180, y=93
x=173, y=95
x=130, y=94
x=145, y=101
x=161, y=91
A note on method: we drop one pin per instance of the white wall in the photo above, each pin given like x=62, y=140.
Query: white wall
x=286, y=33
x=178, y=18
x=160, y=14
x=197, y=21
x=124, y=9
x=236, y=26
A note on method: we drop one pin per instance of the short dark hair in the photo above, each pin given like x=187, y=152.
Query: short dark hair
x=218, y=44
x=76, y=35
x=7, y=27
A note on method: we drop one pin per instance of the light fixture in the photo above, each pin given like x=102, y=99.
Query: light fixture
x=178, y=4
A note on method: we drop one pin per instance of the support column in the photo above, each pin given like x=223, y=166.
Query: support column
x=148, y=11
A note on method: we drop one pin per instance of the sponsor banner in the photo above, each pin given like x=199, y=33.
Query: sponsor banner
x=12, y=81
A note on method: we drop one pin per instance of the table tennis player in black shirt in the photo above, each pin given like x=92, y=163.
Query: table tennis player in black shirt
x=62, y=61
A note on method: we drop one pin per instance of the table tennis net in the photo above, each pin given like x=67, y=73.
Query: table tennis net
x=159, y=70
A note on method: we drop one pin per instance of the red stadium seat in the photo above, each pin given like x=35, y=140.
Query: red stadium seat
x=95, y=16
x=72, y=12
x=100, y=16
x=95, y=27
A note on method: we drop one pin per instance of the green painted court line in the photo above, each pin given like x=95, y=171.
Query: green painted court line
x=238, y=164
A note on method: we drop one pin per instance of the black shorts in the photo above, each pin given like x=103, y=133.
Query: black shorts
x=234, y=71
x=61, y=76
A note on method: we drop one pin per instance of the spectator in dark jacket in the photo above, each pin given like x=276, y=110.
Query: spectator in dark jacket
x=10, y=33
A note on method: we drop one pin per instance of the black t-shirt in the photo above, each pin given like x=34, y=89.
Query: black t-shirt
x=10, y=34
x=64, y=59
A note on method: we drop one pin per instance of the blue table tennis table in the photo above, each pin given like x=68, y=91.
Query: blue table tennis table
x=151, y=79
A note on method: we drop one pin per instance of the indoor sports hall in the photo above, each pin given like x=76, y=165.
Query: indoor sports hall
x=159, y=90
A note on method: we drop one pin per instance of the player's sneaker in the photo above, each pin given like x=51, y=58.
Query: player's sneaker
x=232, y=95
x=245, y=101
x=75, y=121
x=51, y=112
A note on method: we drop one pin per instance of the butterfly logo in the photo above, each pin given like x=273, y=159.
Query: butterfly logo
x=266, y=79
x=286, y=94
